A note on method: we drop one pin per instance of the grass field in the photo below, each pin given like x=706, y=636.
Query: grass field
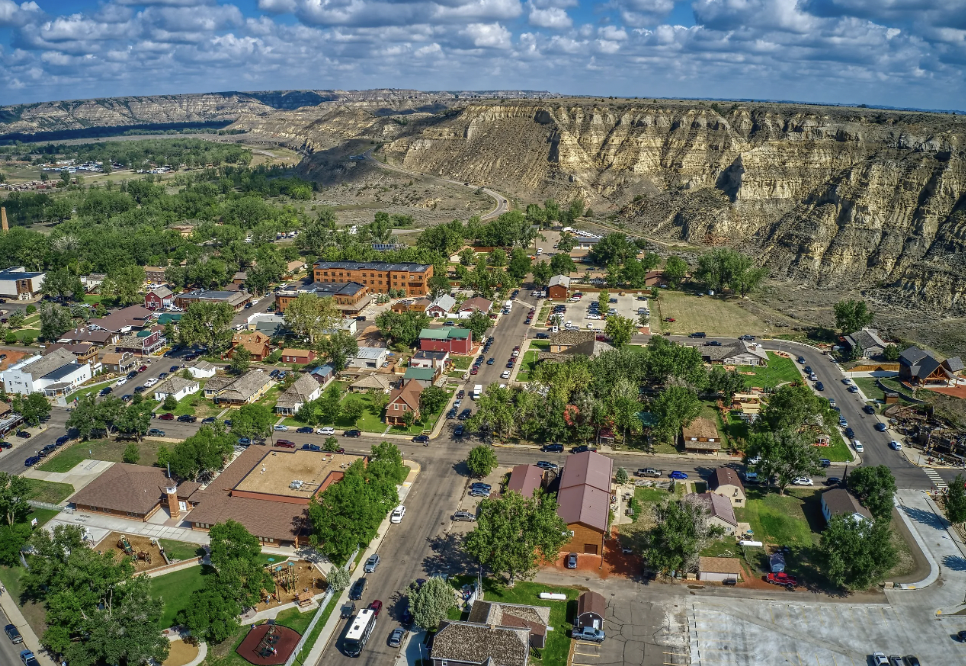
x=714, y=316
x=195, y=405
x=175, y=588
x=794, y=519
x=779, y=370
x=461, y=362
x=43, y=516
x=179, y=550
x=873, y=392
x=99, y=449
x=49, y=491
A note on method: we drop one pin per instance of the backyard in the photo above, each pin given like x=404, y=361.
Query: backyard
x=66, y=458
x=780, y=370
x=872, y=391
x=194, y=405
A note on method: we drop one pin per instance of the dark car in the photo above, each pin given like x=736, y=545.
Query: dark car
x=547, y=465
x=31, y=461
x=808, y=369
x=490, y=361
x=819, y=386
x=712, y=343
x=132, y=374
x=63, y=439
x=24, y=434
x=244, y=441
x=305, y=430
x=698, y=335
x=749, y=338
x=352, y=433
x=458, y=431
x=104, y=391
x=174, y=368
x=347, y=610
x=572, y=561
x=210, y=419
x=28, y=658
x=460, y=394
x=465, y=414
x=13, y=633
x=357, y=589
x=140, y=389
x=911, y=660
x=509, y=365
x=127, y=397
x=5, y=445
x=47, y=450
x=167, y=417
x=833, y=481
x=187, y=418
x=311, y=447
x=142, y=368
x=155, y=432
x=284, y=443
x=361, y=318
x=825, y=462
x=451, y=414
x=849, y=433
x=881, y=427
x=421, y=439
x=582, y=449
x=396, y=637
x=543, y=336
x=869, y=409
x=552, y=448
x=163, y=376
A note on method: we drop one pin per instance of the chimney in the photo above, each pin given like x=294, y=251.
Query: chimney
x=173, y=506
x=3, y=220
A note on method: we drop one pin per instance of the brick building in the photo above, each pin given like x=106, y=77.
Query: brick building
x=378, y=276
x=449, y=339
x=583, y=501
x=350, y=297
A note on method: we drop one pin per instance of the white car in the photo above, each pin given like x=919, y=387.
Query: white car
x=151, y=382
x=895, y=446
x=121, y=382
x=505, y=374
x=879, y=659
x=281, y=428
x=857, y=445
x=803, y=481
x=397, y=514
x=327, y=430
x=594, y=317
x=516, y=353
x=754, y=461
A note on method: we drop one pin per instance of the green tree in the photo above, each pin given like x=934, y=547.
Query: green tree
x=132, y=454
x=796, y=407
x=619, y=330
x=680, y=533
x=432, y=399
x=675, y=270
x=252, y=421
x=857, y=554
x=352, y=409
x=852, y=315
x=331, y=444
x=478, y=323
x=603, y=300
x=33, y=407
x=614, y=248
x=207, y=324
x=891, y=353
x=31, y=309
x=16, y=319
x=310, y=316
x=567, y=242
x=725, y=382
x=512, y=532
x=621, y=477
x=55, y=320
x=210, y=614
x=14, y=493
x=337, y=348
x=875, y=488
x=201, y=454
x=955, y=501
x=230, y=542
x=666, y=359
x=675, y=407
x=430, y=602
x=562, y=264
x=402, y=327
x=134, y=420
x=338, y=579
x=170, y=403
x=542, y=272
x=785, y=455
x=124, y=284
x=241, y=360
x=481, y=460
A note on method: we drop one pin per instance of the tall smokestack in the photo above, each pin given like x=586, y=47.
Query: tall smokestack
x=3, y=220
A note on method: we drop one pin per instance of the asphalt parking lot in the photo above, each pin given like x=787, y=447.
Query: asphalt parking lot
x=578, y=313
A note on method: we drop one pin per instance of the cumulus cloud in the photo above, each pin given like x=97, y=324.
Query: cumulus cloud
x=551, y=17
x=12, y=14
x=487, y=35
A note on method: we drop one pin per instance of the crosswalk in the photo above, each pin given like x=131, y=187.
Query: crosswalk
x=937, y=480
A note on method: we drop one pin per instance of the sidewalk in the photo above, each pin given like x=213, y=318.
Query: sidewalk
x=80, y=476
x=30, y=640
x=331, y=626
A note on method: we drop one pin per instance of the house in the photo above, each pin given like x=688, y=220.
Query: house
x=448, y=339
x=236, y=299
x=17, y=283
x=429, y=359
x=953, y=366
x=868, y=342
x=441, y=307
x=472, y=644
x=917, y=366
x=97, y=338
x=322, y=373
x=271, y=325
x=559, y=288
x=169, y=318
x=701, y=436
x=154, y=274
x=720, y=511
x=378, y=276
x=525, y=479
x=591, y=608
x=499, y=614
x=740, y=352
x=583, y=501
x=142, y=343
x=304, y=389
x=179, y=387
x=654, y=279
x=131, y=318
x=238, y=279
x=471, y=305
x=724, y=481
x=590, y=349
x=349, y=297
x=749, y=404
x=840, y=502
x=241, y=391
x=158, y=298
x=425, y=376
x=133, y=492
x=202, y=370
x=301, y=356
x=57, y=373
x=92, y=281
x=563, y=340
x=719, y=569
x=118, y=362
x=294, y=267
x=373, y=382
x=257, y=344
x=369, y=357
x=403, y=399
x=411, y=305
x=84, y=352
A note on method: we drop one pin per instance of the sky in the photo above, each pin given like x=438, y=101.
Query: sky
x=905, y=53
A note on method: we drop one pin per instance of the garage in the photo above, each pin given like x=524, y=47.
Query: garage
x=590, y=549
x=719, y=569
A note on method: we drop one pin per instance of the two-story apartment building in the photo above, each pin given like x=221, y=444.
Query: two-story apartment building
x=350, y=297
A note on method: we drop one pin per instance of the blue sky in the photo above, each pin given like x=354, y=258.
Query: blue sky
x=892, y=52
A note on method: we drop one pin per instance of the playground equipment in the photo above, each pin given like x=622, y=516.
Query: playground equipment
x=266, y=647
x=285, y=575
x=125, y=545
x=143, y=556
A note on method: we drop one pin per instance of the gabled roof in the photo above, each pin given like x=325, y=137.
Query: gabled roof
x=374, y=381
x=525, y=479
x=724, y=476
x=476, y=303
x=298, y=392
x=565, y=338
x=718, y=507
x=588, y=468
x=296, y=352
x=446, y=302
x=700, y=427
x=912, y=356
x=161, y=292
x=954, y=364
x=135, y=315
x=585, y=505
x=473, y=643
x=175, y=385
x=591, y=602
x=124, y=487
x=866, y=338
x=408, y=393
x=534, y=618
x=560, y=280
x=422, y=355
x=725, y=565
x=841, y=502
x=39, y=366
x=371, y=353
x=247, y=385
x=447, y=333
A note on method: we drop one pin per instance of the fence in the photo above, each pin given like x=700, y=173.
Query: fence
x=47, y=505
x=323, y=602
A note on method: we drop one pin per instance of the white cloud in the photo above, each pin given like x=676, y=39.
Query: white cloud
x=13, y=14
x=487, y=35
x=552, y=17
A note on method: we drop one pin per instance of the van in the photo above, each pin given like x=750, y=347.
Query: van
x=857, y=445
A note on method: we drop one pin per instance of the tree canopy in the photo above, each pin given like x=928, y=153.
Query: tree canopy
x=852, y=315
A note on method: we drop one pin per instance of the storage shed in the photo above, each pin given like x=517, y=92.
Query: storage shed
x=591, y=607
x=719, y=569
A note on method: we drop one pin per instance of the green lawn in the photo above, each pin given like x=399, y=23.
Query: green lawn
x=778, y=371
x=99, y=449
x=43, y=516
x=94, y=388
x=461, y=362
x=643, y=495
x=49, y=491
x=838, y=451
x=194, y=405
x=179, y=550
x=527, y=366
x=175, y=588
x=314, y=636
x=561, y=613
x=722, y=548
x=873, y=392
x=791, y=520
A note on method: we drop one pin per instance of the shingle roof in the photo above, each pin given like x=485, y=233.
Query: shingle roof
x=175, y=385
x=298, y=392
x=247, y=385
x=717, y=506
x=841, y=502
x=423, y=374
x=42, y=365
x=87, y=335
x=867, y=338
x=124, y=487
x=476, y=303
x=700, y=427
x=134, y=315
x=481, y=644
x=561, y=280
x=726, y=565
x=565, y=338
x=912, y=355
x=525, y=479
x=591, y=602
x=409, y=393
x=724, y=476
x=446, y=302
x=588, y=468
x=373, y=381
x=534, y=618
x=430, y=355
x=954, y=364
x=161, y=292
x=585, y=505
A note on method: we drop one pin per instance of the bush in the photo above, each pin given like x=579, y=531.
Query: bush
x=28, y=339
x=11, y=338
x=170, y=403
x=132, y=454
x=31, y=309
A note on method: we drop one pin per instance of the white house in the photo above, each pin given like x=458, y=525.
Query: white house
x=429, y=359
x=18, y=283
x=305, y=389
x=179, y=387
x=442, y=306
x=202, y=370
x=369, y=357
x=57, y=373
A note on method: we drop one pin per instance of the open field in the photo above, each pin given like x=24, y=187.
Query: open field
x=49, y=491
x=780, y=370
x=175, y=588
x=714, y=316
x=100, y=449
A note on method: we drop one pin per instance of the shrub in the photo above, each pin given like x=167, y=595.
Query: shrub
x=170, y=403
x=132, y=454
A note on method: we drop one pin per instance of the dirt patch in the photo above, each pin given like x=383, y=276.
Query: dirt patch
x=180, y=654
x=143, y=550
x=291, y=579
x=614, y=563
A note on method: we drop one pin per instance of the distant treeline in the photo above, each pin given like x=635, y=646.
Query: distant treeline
x=99, y=132
x=141, y=154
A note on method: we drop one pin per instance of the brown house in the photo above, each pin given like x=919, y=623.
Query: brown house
x=128, y=491
x=378, y=276
x=411, y=305
x=349, y=297
x=258, y=344
x=119, y=362
x=403, y=399
x=525, y=479
x=297, y=355
x=559, y=288
x=583, y=501
x=701, y=436
x=724, y=481
x=84, y=352
x=534, y=618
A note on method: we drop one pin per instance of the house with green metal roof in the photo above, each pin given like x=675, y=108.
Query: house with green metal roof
x=447, y=339
x=425, y=376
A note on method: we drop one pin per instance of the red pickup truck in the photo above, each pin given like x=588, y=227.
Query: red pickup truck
x=782, y=579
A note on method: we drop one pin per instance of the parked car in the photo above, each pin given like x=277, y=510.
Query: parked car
x=458, y=430
x=552, y=448
x=849, y=433
x=187, y=418
x=371, y=563
x=167, y=416
x=244, y=441
x=819, y=386
x=421, y=439
x=352, y=433
x=210, y=419
x=895, y=446
x=305, y=430
x=571, y=561
x=869, y=409
x=480, y=484
x=464, y=516
x=833, y=481
x=879, y=659
x=63, y=439
x=465, y=414
x=348, y=610
x=911, y=660
x=327, y=430
x=174, y=368
x=357, y=589
x=880, y=426
x=782, y=579
x=825, y=462
x=648, y=471
x=712, y=343
x=280, y=428
x=857, y=445
x=698, y=335
x=451, y=414
x=678, y=476
x=474, y=371
x=13, y=633
x=547, y=465
x=155, y=432
x=853, y=389
x=591, y=634
x=803, y=481
x=479, y=492
x=140, y=389
x=801, y=359
x=28, y=658
x=163, y=376
x=150, y=382
x=311, y=447
x=751, y=477
x=23, y=434
x=397, y=514
x=505, y=374
x=284, y=443
x=31, y=461
x=397, y=637
x=543, y=336
x=808, y=370
x=582, y=449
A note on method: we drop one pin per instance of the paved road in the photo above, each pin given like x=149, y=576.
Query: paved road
x=263, y=304
x=9, y=653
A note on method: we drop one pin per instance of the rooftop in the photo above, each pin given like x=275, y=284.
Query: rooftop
x=39, y=366
x=726, y=565
x=324, y=288
x=585, y=505
x=135, y=315
x=371, y=266
x=841, y=502
x=561, y=280
x=298, y=392
x=424, y=374
x=724, y=476
x=175, y=385
x=277, y=471
x=588, y=468
x=446, y=333
x=481, y=644
x=700, y=428
x=525, y=479
x=124, y=487
x=717, y=506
